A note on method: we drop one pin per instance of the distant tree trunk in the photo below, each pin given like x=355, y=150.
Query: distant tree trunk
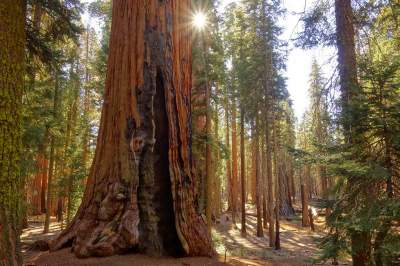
x=141, y=190
x=278, y=177
x=51, y=160
x=270, y=196
x=208, y=155
x=242, y=171
x=86, y=109
x=304, y=206
x=228, y=160
x=217, y=180
x=277, y=244
x=71, y=127
x=55, y=187
x=293, y=190
x=41, y=161
x=310, y=214
x=60, y=210
x=253, y=184
x=36, y=187
x=260, y=232
x=44, y=170
x=290, y=176
x=286, y=208
x=234, y=164
x=269, y=103
x=389, y=164
x=12, y=69
x=199, y=149
x=264, y=181
x=360, y=240
x=63, y=168
x=40, y=182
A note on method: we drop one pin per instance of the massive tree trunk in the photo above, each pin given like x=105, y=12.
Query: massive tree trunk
x=12, y=68
x=361, y=240
x=141, y=190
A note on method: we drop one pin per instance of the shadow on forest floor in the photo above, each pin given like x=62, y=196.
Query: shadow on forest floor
x=298, y=244
x=298, y=247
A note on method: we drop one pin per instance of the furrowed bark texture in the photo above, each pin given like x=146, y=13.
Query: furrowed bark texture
x=12, y=67
x=141, y=191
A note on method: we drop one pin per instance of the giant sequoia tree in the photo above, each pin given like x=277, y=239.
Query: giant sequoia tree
x=141, y=191
x=12, y=54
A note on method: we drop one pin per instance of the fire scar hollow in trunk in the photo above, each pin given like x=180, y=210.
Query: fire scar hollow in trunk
x=141, y=192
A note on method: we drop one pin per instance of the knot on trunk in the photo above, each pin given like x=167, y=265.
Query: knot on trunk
x=112, y=203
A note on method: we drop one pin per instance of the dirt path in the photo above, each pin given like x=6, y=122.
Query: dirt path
x=298, y=243
x=298, y=247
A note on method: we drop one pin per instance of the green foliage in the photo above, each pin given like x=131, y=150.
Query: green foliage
x=62, y=22
x=317, y=26
x=366, y=169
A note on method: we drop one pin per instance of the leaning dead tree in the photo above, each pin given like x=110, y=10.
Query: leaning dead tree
x=140, y=192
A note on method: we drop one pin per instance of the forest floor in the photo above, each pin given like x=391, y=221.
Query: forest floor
x=298, y=247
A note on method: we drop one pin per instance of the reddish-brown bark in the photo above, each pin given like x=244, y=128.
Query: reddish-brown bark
x=39, y=184
x=141, y=190
x=304, y=206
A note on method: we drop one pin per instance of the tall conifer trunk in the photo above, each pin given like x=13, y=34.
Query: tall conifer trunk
x=217, y=180
x=242, y=172
x=208, y=155
x=260, y=232
x=234, y=164
x=86, y=107
x=141, y=190
x=360, y=240
x=264, y=180
x=12, y=68
x=52, y=156
x=228, y=160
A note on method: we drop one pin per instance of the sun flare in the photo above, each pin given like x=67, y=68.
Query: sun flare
x=199, y=20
